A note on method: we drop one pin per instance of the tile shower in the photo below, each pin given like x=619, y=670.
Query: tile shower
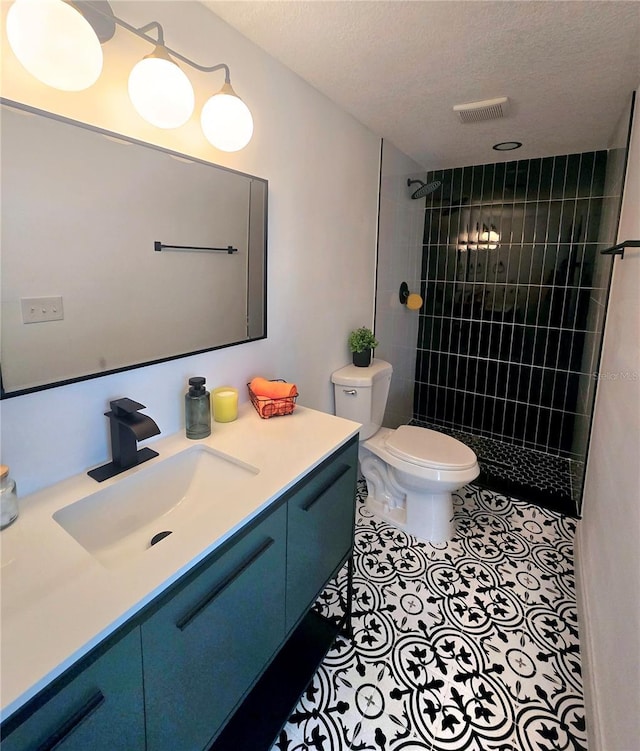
x=507, y=338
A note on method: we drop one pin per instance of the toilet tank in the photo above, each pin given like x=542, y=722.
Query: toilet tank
x=361, y=394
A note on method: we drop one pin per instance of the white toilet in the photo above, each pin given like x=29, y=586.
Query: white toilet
x=410, y=471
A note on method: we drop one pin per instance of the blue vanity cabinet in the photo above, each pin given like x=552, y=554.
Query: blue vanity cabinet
x=98, y=707
x=193, y=664
x=321, y=518
x=207, y=644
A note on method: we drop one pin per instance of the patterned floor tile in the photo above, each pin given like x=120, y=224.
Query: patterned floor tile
x=473, y=717
x=559, y=728
x=471, y=644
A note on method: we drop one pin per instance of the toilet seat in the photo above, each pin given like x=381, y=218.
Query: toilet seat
x=428, y=448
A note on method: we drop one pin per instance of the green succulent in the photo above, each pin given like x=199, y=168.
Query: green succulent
x=362, y=339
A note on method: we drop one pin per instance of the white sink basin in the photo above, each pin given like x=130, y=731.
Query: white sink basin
x=119, y=522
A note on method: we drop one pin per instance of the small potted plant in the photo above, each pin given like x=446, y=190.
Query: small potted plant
x=361, y=342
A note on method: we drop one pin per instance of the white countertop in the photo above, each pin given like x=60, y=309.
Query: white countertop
x=58, y=601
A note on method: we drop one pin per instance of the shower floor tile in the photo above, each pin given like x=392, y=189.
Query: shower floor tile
x=551, y=481
x=471, y=644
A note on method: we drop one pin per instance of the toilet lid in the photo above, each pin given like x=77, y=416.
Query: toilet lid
x=428, y=448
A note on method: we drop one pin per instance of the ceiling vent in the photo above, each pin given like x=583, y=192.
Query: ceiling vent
x=477, y=112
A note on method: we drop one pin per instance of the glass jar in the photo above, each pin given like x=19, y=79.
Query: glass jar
x=8, y=498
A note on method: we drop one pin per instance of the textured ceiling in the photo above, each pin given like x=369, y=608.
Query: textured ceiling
x=567, y=66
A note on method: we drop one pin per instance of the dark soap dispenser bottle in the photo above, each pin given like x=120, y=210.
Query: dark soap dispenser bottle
x=197, y=408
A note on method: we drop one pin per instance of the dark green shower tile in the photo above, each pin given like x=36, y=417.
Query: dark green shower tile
x=466, y=185
x=434, y=232
x=558, y=176
x=421, y=364
x=569, y=349
x=437, y=397
x=488, y=187
x=480, y=382
x=524, y=343
x=518, y=382
x=599, y=174
x=440, y=263
x=437, y=368
x=477, y=178
x=458, y=340
x=455, y=194
x=553, y=432
x=481, y=405
x=499, y=374
x=580, y=317
x=515, y=182
x=425, y=332
x=546, y=178
x=532, y=188
x=571, y=393
x=593, y=217
x=572, y=176
x=586, y=176
x=443, y=329
x=559, y=390
x=425, y=323
x=499, y=175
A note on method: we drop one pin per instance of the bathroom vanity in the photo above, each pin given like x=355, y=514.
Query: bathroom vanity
x=118, y=645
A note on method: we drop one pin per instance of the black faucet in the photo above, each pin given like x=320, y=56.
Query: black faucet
x=128, y=427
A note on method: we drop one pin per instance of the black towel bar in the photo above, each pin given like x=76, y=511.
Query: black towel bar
x=618, y=250
x=159, y=247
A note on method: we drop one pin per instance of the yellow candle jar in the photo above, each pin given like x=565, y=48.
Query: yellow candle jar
x=225, y=404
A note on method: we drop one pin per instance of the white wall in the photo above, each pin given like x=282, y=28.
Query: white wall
x=322, y=167
x=401, y=228
x=608, y=541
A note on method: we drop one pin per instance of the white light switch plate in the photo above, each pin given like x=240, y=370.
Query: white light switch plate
x=40, y=309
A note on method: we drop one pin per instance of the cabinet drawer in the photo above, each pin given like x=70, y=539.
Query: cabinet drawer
x=100, y=709
x=320, y=530
x=206, y=646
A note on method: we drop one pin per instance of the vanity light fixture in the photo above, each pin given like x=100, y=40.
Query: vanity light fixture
x=226, y=120
x=160, y=91
x=55, y=43
x=58, y=42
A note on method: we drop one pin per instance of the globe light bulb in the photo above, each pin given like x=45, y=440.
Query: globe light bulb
x=226, y=120
x=160, y=91
x=54, y=43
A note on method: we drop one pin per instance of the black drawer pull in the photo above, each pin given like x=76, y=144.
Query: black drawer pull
x=73, y=723
x=342, y=470
x=222, y=585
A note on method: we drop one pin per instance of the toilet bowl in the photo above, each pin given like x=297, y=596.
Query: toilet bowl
x=410, y=471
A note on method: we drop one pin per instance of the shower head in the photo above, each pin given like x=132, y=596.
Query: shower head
x=425, y=188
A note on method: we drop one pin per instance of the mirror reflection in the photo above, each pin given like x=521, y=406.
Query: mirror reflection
x=117, y=254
